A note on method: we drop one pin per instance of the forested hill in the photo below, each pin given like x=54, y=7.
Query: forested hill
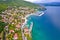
x=17, y=3
x=5, y=3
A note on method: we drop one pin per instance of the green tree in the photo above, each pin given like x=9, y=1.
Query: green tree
x=2, y=25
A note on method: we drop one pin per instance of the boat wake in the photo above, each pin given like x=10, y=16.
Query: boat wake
x=39, y=13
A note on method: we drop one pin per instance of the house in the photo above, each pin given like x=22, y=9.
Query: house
x=11, y=31
x=23, y=20
x=15, y=36
x=18, y=25
x=26, y=30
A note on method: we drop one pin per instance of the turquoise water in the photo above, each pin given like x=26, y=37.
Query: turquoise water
x=47, y=27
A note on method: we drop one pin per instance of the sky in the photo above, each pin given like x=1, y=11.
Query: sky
x=43, y=1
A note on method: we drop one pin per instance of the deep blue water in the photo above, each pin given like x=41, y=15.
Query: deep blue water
x=47, y=27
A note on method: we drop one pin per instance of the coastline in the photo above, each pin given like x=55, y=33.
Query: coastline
x=31, y=26
x=36, y=14
x=17, y=20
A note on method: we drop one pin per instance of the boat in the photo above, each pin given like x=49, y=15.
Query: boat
x=39, y=13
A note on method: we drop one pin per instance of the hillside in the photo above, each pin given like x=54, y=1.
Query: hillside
x=50, y=4
x=5, y=3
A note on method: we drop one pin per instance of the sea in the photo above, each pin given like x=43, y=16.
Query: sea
x=47, y=26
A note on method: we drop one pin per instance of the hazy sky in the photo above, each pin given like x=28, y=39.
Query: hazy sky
x=43, y=1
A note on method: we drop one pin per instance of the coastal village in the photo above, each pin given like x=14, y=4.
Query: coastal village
x=16, y=19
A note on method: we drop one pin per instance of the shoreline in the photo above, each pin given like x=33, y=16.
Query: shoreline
x=17, y=19
x=36, y=14
x=31, y=26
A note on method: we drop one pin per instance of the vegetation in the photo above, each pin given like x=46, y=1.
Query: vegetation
x=28, y=37
x=13, y=12
x=5, y=3
x=15, y=17
x=2, y=25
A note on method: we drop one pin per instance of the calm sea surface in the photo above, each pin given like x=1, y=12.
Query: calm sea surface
x=47, y=27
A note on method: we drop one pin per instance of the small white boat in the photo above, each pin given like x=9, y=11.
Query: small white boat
x=39, y=13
